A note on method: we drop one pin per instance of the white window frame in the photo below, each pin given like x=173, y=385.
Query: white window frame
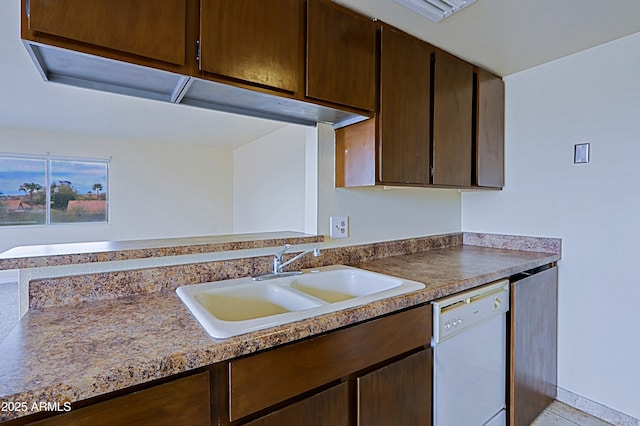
x=48, y=159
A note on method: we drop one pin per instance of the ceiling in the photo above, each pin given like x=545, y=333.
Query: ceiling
x=503, y=36
x=508, y=36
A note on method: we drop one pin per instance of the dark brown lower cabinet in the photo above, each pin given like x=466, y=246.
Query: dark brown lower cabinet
x=397, y=394
x=378, y=373
x=534, y=317
x=330, y=407
x=184, y=401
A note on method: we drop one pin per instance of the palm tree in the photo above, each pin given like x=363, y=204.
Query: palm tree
x=97, y=187
x=30, y=188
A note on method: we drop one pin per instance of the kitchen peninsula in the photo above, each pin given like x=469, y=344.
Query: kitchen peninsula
x=85, y=350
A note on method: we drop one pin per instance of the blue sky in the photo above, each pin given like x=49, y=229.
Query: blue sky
x=15, y=172
x=82, y=175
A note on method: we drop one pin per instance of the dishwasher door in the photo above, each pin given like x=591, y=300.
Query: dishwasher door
x=470, y=357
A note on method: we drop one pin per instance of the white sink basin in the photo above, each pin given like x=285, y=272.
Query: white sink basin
x=251, y=301
x=232, y=307
x=337, y=285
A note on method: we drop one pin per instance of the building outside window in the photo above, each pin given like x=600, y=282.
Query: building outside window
x=52, y=190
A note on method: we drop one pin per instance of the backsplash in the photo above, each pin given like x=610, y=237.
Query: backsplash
x=110, y=285
x=513, y=242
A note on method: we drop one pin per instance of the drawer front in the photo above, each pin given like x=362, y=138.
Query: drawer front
x=264, y=379
x=180, y=402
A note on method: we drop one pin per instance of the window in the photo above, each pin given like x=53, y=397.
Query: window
x=51, y=190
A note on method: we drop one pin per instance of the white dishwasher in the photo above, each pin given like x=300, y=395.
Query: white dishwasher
x=470, y=357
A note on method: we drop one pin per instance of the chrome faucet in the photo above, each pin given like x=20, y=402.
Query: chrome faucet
x=277, y=258
x=278, y=264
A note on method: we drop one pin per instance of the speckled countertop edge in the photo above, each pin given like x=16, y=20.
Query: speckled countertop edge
x=80, y=253
x=137, y=339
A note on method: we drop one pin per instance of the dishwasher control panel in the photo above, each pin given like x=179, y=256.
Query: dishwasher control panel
x=456, y=313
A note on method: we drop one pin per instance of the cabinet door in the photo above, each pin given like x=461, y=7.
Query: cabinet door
x=405, y=96
x=490, y=131
x=268, y=378
x=356, y=154
x=534, y=314
x=341, y=56
x=398, y=394
x=248, y=41
x=452, y=121
x=330, y=407
x=180, y=402
x=150, y=29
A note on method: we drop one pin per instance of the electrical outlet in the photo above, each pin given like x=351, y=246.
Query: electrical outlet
x=339, y=226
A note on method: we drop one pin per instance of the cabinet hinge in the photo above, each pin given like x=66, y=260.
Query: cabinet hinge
x=198, y=50
x=432, y=171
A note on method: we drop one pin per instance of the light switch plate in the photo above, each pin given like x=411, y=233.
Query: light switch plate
x=581, y=153
x=339, y=226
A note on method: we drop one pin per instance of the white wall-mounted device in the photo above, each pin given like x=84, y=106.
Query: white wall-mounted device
x=435, y=10
x=581, y=153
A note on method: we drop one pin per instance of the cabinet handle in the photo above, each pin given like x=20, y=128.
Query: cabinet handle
x=27, y=6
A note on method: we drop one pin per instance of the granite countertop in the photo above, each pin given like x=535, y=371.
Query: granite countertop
x=71, y=353
x=77, y=253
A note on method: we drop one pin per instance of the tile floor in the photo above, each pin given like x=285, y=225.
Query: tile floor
x=560, y=414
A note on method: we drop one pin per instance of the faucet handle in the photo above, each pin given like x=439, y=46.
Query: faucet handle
x=280, y=253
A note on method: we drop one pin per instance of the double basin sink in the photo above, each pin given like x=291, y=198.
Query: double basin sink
x=232, y=307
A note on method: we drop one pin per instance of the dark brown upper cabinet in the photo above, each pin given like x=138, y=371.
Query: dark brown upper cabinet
x=452, y=121
x=440, y=123
x=246, y=41
x=489, y=166
x=153, y=33
x=252, y=57
x=356, y=160
x=404, y=116
x=341, y=56
x=394, y=147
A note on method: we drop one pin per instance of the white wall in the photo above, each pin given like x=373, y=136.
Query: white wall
x=591, y=97
x=270, y=182
x=156, y=190
x=376, y=214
